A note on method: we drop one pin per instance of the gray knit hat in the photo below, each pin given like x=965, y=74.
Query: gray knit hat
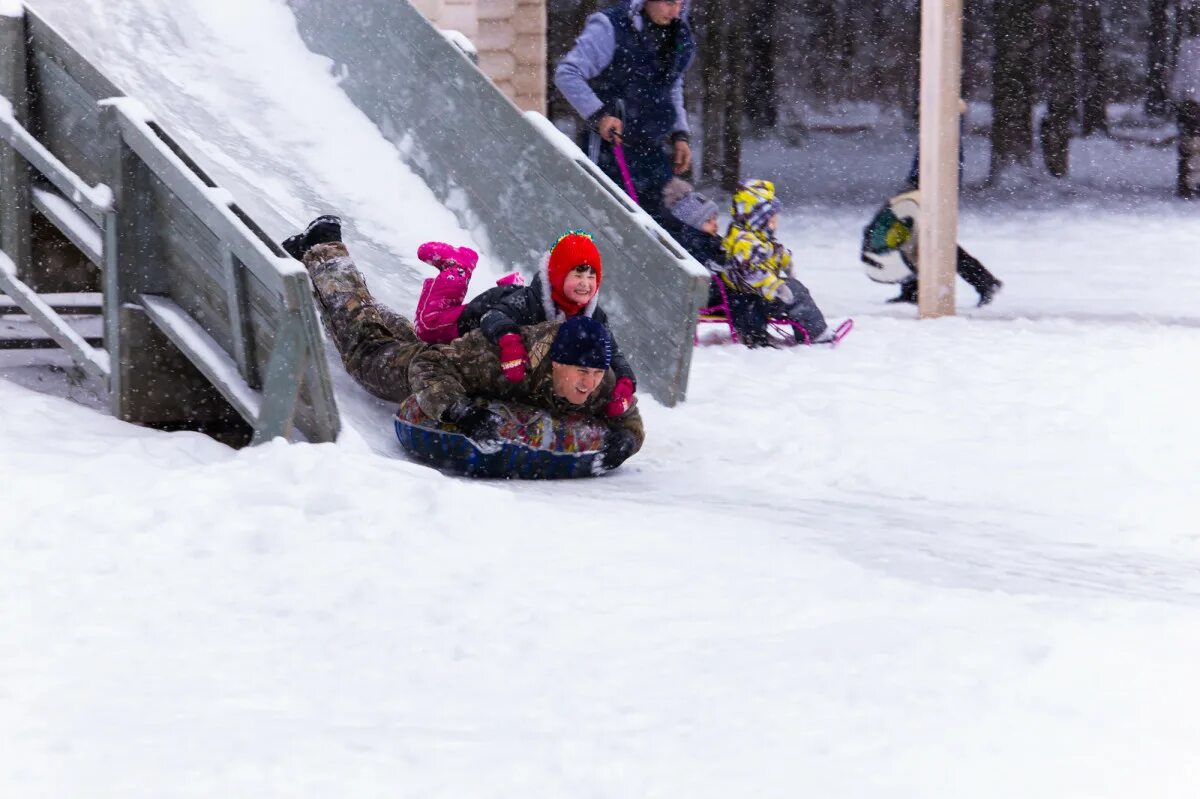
x=694, y=210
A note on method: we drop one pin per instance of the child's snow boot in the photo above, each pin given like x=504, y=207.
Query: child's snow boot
x=441, y=255
x=441, y=300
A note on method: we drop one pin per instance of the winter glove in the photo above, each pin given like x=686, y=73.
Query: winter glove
x=622, y=397
x=513, y=357
x=619, y=444
x=322, y=230
x=478, y=423
x=784, y=295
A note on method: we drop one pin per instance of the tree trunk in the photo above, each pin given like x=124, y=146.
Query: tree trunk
x=1060, y=88
x=1012, y=86
x=1157, y=55
x=821, y=49
x=1094, y=81
x=736, y=51
x=713, y=90
x=762, y=103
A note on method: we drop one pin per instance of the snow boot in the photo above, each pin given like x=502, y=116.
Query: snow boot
x=988, y=293
x=908, y=293
x=441, y=300
x=441, y=255
x=325, y=229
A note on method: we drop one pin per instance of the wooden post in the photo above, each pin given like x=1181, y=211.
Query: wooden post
x=16, y=208
x=151, y=382
x=941, y=80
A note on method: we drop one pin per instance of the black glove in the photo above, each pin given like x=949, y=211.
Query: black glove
x=619, y=444
x=322, y=230
x=478, y=423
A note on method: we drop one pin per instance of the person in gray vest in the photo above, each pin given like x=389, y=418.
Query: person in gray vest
x=624, y=76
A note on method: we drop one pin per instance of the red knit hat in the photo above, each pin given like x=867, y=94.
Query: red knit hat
x=573, y=249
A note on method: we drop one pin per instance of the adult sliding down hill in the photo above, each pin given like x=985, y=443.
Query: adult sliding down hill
x=458, y=410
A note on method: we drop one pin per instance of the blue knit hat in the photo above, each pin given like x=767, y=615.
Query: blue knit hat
x=582, y=341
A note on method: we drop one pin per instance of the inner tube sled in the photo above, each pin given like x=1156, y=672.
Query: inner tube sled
x=539, y=445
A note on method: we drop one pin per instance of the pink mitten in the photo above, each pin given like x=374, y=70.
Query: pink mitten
x=513, y=357
x=622, y=397
x=441, y=255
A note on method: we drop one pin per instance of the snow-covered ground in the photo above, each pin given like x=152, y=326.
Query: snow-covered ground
x=951, y=558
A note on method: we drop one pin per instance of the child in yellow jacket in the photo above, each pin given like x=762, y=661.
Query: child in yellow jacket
x=758, y=263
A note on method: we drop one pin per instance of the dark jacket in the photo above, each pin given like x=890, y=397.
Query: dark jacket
x=504, y=309
x=469, y=367
x=704, y=248
x=619, y=57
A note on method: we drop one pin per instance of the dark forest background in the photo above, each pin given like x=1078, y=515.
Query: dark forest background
x=1049, y=70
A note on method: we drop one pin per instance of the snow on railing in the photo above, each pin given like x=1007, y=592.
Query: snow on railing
x=92, y=200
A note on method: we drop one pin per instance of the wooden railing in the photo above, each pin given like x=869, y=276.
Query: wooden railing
x=205, y=318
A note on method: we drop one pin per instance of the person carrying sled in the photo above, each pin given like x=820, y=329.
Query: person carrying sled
x=567, y=285
x=624, y=76
x=889, y=251
x=759, y=264
x=693, y=223
x=568, y=360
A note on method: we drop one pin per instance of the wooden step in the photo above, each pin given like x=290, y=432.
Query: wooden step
x=19, y=332
x=67, y=303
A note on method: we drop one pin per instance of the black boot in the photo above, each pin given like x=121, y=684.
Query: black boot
x=988, y=293
x=324, y=229
x=908, y=293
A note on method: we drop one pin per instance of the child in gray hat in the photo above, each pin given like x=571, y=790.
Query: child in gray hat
x=694, y=224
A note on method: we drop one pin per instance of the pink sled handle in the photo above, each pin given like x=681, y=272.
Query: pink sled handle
x=619, y=152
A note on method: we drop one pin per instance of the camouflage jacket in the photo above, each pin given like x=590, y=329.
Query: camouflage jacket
x=469, y=367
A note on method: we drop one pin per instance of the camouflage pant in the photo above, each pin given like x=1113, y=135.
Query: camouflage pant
x=376, y=343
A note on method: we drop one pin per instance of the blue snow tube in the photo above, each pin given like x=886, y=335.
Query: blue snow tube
x=540, y=445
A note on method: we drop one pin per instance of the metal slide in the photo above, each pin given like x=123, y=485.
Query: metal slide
x=481, y=157
x=524, y=182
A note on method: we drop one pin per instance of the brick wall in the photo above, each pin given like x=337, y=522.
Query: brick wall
x=510, y=36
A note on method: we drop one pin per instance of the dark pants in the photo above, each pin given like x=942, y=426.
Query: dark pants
x=748, y=314
x=649, y=168
x=802, y=310
x=969, y=268
x=376, y=343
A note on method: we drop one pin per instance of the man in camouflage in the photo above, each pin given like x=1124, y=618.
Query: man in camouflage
x=381, y=351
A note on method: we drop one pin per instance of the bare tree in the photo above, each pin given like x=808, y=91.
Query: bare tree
x=736, y=50
x=1012, y=86
x=1092, y=67
x=711, y=25
x=1060, y=87
x=1158, y=54
x=762, y=101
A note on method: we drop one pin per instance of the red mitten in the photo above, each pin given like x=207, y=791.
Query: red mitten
x=513, y=357
x=622, y=397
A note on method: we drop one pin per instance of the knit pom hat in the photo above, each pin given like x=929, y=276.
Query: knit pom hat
x=694, y=210
x=674, y=191
x=582, y=341
x=754, y=203
x=573, y=249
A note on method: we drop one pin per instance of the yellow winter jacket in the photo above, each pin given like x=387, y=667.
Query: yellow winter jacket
x=755, y=261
